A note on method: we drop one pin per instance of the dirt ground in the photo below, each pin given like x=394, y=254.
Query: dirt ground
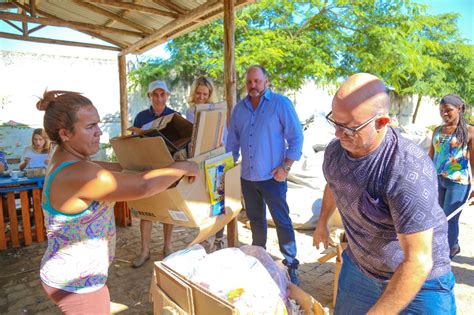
x=21, y=292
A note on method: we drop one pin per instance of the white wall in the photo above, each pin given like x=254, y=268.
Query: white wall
x=25, y=76
x=312, y=99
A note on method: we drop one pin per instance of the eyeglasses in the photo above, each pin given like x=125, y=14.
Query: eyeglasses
x=348, y=131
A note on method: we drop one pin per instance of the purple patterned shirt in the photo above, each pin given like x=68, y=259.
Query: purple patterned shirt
x=392, y=190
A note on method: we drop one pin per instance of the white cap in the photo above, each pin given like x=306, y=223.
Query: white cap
x=158, y=85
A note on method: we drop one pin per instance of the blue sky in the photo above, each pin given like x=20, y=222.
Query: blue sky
x=465, y=22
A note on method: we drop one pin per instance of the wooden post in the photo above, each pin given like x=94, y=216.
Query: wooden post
x=122, y=63
x=3, y=237
x=229, y=57
x=39, y=219
x=13, y=219
x=230, y=90
x=25, y=217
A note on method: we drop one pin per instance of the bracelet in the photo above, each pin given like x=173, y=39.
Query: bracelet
x=287, y=168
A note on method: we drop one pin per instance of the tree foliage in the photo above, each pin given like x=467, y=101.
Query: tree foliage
x=413, y=52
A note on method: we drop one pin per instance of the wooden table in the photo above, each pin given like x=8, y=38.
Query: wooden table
x=18, y=190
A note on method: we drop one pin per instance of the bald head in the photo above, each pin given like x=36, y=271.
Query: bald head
x=363, y=91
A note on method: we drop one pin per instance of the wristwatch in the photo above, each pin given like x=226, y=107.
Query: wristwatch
x=286, y=167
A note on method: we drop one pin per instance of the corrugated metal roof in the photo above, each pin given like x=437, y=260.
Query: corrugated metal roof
x=128, y=26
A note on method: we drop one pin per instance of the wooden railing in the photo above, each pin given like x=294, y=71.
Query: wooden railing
x=15, y=224
x=21, y=215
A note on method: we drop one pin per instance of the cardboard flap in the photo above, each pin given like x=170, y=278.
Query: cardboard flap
x=170, y=201
x=163, y=304
x=204, y=302
x=221, y=106
x=233, y=205
x=139, y=154
x=233, y=189
x=176, y=289
x=207, y=303
x=305, y=301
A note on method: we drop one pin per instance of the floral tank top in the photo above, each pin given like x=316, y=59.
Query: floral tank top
x=450, y=158
x=80, y=246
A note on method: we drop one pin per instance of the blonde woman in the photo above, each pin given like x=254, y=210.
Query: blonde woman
x=203, y=92
x=36, y=155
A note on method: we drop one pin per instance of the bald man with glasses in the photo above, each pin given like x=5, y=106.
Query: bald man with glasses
x=384, y=186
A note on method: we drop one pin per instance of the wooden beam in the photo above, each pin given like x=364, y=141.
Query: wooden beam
x=122, y=64
x=53, y=20
x=14, y=26
x=93, y=33
x=6, y=6
x=135, y=7
x=183, y=20
x=75, y=25
x=33, y=8
x=106, y=39
x=34, y=29
x=183, y=29
x=114, y=16
x=229, y=57
x=56, y=41
x=171, y=6
x=24, y=24
x=122, y=13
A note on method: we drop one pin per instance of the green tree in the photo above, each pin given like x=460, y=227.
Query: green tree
x=414, y=53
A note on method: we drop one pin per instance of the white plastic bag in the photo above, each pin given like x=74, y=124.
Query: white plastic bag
x=240, y=279
x=184, y=261
x=277, y=271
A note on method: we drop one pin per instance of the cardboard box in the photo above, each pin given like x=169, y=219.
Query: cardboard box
x=175, y=130
x=170, y=290
x=183, y=204
x=209, y=121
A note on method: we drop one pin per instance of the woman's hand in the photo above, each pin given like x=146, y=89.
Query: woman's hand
x=191, y=169
x=25, y=163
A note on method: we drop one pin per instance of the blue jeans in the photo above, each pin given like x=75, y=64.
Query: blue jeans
x=451, y=196
x=273, y=194
x=357, y=293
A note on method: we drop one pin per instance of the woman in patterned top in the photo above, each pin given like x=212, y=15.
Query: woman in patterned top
x=452, y=151
x=78, y=200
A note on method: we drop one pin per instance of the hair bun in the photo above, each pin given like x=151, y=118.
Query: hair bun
x=48, y=98
x=42, y=104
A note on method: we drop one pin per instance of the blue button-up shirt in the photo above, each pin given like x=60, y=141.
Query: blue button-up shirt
x=147, y=115
x=266, y=136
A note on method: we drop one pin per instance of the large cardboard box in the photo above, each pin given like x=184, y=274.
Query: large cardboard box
x=171, y=291
x=175, y=130
x=182, y=204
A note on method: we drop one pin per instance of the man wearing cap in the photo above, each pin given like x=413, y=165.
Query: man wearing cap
x=158, y=93
x=266, y=130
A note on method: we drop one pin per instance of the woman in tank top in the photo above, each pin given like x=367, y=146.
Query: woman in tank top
x=78, y=200
x=452, y=152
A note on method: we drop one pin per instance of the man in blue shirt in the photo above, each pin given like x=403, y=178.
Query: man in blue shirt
x=265, y=128
x=158, y=93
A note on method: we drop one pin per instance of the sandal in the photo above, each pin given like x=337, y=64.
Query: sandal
x=218, y=244
x=140, y=260
x=167, y=251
